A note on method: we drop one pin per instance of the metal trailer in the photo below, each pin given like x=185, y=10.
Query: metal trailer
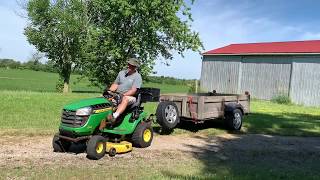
x=201, y=107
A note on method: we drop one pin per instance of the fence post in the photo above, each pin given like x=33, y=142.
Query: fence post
x=196, y=81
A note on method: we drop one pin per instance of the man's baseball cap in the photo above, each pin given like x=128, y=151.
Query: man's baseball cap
x=133, y=62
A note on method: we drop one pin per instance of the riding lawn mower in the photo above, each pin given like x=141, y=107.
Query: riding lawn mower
x=89, y=122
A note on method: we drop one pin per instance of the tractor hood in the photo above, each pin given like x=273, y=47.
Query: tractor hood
x=86, y=103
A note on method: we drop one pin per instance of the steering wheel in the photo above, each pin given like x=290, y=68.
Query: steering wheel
x=115, y=97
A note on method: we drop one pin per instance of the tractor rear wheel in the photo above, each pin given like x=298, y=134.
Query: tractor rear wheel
x=96, y=147
x=142, y=135
x=60, y=145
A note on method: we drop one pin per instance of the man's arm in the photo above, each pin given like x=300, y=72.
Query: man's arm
x=113, y=87
x=115, y=84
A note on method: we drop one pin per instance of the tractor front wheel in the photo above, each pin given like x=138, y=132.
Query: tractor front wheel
x=60, y=145
x=96, y=147
x=142, y=135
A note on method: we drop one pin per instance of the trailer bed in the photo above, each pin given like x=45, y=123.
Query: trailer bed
x=205, y=106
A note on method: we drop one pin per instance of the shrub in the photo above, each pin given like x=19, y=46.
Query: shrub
x=59, y=85
x=281, y=99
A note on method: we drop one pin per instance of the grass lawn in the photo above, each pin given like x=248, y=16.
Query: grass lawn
x=273, y=118
x=39, y=113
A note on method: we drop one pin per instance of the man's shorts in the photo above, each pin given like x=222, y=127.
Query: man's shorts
x=131, y=100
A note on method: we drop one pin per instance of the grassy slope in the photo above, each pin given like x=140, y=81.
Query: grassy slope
x=28, y=80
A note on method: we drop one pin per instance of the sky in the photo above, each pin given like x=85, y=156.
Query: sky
x=219, y=23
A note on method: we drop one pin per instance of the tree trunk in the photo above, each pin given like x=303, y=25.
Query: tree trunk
x=65, y=87
x=66, y=77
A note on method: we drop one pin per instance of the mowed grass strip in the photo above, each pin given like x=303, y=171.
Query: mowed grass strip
x=28, y=80
x=37, y=113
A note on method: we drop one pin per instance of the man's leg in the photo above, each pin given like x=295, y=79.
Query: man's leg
x=122, y=106
x=126, y=100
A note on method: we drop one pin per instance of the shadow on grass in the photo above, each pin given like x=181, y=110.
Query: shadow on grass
x=77, y=148
x=289, y=124
x=254, y=157
x=259, y=156
x=161, y=131
x=195, y=127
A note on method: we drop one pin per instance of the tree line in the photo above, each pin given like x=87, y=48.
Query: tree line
x=34, y=65
x=48, y=66
x=31, y=65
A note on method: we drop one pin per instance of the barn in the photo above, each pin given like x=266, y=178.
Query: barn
x=266, y=70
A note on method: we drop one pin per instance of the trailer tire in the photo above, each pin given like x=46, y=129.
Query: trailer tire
x=167, y=115
x=234, y=119
x=60, y=145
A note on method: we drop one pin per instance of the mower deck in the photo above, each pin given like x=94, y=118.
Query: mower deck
x=122, y=147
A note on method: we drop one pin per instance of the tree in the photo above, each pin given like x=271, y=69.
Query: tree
x=58, y=29
x=34, y=62
x=145, y=29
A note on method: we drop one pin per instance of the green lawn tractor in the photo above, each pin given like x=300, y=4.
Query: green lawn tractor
x=85, y=122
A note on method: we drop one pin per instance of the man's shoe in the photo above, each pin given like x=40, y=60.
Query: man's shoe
x=103, y=124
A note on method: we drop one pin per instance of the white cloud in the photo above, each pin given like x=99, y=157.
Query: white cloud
x=221, y=27
x=310, y=36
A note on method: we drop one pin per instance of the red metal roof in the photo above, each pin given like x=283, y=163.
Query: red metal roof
x=302, y=47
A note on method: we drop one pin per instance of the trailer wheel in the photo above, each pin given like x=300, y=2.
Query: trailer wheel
x=167, y=115
x=234, y=119
x=60, y=145
x=96, y=147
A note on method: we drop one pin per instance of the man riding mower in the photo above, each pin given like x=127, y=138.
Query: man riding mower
x=80, y=123
x=104, y=127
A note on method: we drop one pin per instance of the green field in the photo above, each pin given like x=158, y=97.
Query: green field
x=32, y=111
x=28, y=80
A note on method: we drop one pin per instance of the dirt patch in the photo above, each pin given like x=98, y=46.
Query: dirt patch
x=23, y=151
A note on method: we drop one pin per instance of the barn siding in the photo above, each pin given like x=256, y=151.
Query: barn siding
x=305, y=82
x=266, y=77
x=220, y=74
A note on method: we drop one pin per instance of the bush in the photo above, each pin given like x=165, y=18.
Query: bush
x=281, y=99
x=167, y=80
x=59, y=85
